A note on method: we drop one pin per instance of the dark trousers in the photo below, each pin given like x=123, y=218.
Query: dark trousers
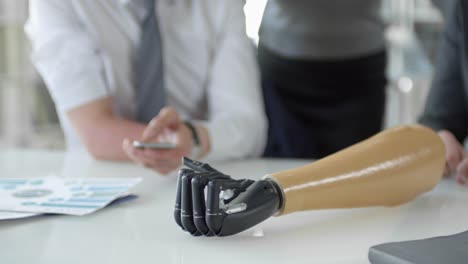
x=316, y=108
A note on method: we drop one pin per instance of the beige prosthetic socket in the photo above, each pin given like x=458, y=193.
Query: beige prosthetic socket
x=390, y=168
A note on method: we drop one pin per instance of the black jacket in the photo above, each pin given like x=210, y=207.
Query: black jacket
x=447, y=103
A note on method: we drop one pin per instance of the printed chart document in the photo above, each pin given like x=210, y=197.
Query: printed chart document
x=20, y=198
x=6, y=215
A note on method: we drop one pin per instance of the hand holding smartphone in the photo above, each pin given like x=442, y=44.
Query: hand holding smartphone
x=153, y=145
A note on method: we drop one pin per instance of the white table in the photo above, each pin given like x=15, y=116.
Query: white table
x=143, y=230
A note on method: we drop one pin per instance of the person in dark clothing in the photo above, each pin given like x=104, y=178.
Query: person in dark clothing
x=446, y=109
x=323, y=72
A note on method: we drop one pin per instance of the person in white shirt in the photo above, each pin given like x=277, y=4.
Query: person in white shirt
x=85, y=51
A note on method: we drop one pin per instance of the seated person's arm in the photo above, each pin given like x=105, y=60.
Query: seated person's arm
x=71, y=64
x=236, y=125
x=101, y=132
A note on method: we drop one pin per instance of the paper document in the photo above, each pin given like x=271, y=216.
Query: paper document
x=6, y=215
x=61, y=196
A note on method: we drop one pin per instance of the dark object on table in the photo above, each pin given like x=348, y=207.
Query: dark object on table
x=230, y=206
x=447, y=249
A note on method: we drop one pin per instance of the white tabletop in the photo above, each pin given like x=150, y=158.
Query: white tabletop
x=143, y=230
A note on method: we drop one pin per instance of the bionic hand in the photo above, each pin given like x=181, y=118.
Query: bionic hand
x=229, y=207
x=388, y=169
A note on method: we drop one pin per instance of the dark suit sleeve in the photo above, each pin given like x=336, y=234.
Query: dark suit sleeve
x=446, y=103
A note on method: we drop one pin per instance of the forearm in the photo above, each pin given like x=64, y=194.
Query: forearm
x=101, y=132
x=105, y=141
x=388, y=169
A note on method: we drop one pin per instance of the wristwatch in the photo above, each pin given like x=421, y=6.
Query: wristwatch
x=196, y=148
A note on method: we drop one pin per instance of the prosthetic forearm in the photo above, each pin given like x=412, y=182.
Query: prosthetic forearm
x=388, y=169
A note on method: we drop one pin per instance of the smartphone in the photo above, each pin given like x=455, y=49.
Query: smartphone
x=153, y=145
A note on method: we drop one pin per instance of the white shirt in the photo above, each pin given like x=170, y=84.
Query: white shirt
x=84, y=50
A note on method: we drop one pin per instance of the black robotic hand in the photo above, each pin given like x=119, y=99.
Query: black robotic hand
x=211, y=203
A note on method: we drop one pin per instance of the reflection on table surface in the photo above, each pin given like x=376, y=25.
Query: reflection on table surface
x=143, y=230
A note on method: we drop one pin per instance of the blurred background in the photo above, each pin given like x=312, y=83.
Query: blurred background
x=27, y=114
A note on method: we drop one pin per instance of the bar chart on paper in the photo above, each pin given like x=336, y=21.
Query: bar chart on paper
x=21, y=198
